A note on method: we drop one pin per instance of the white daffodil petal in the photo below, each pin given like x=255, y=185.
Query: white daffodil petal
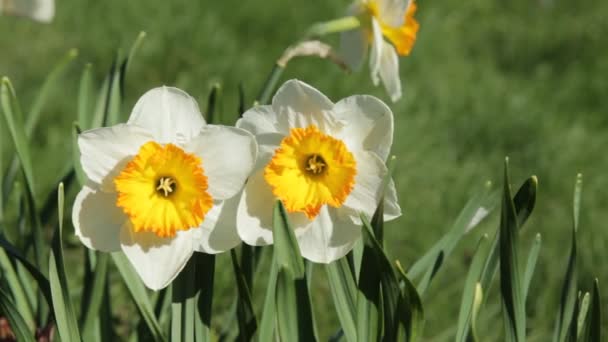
x=254, y=213
x=375, y=56
x=104, y=152
x=40, y=10
x=368, y=124
x=353, y=47
x=366, y=193
x=228, y=156
x=389, y=71
x=255, y=210
x=297, y=104
x=392, y=210
x=171, y=115
x=157, y=260
x=218, y=231
x=267, y=144
x=259, y=120
x=97, y=220
x=328, y=238
x=392, y=12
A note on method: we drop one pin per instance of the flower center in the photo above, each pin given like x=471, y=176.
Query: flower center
x=166, y=185
x=315, y=164
x=311, y=169
x=149, y=194
x=403, y=37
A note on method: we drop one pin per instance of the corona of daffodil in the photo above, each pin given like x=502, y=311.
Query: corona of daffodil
x=392, y=20
x=162, y=186
x=324, y=161
x=39, y=10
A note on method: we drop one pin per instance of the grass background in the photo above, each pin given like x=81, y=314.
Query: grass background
x=486, y=79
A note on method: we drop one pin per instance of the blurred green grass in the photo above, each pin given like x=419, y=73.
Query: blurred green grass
x=486, y=79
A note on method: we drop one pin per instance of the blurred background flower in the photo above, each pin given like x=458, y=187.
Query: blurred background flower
x=40, y=10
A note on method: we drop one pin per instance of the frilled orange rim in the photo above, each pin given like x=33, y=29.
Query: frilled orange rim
x=311, y=169
x=403, y=37
x=163, y=190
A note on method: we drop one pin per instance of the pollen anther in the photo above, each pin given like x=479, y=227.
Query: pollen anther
x=315, y=164
x=166, y=185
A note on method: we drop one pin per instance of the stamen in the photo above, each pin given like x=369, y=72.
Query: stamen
x=315, y=164
x=166, y=185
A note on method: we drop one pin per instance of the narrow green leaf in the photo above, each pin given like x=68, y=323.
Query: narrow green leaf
x=80, y=176
x=267, y=323
x=470, y=289
x=242, y=101
x=343, y=289
x=510, y=276
x=411, y=313
x=213, y=104
x=132, y=52
x=285, y=243
x=85, y=97
x=369, y=317
x=293, y=308
x=16, y=321
x=401, y=308
x=184, y=303
x=477, y=300
x=65, y=318
x=14, y=120
x=205, y=273
x=270, y=84
x=115, y=91
x=19, y=295
x=566, y=320
x=95, y=296
x=531, y=264
x=49, y=85
x=526, y=199
x=138, y=293
x=475, y=210
x=246, y=316
x=41, y=280
x=583, y=306
x=592, y=330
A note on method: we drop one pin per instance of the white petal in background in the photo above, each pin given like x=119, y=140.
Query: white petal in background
x=40, y=10
x=389, y=71
x=297, y=104
x=368, y=124
x=97, y=220
x=259, y=120
x=171, y=115
x=218, y=231
x=157, y=260
x=254, y=214
x=353, y=48
x=375, y=55
x=105, y=151
x=392, y=12
x=228, y=156
x=328, y=238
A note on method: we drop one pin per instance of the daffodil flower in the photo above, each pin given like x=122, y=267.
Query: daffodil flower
x=39, y=10
x=390, y=19
x=324, y=161
x=162, y=186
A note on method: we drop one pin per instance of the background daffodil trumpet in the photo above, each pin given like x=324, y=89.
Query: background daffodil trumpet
x=324, y=161
x=158, y=185
x=392, y=20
